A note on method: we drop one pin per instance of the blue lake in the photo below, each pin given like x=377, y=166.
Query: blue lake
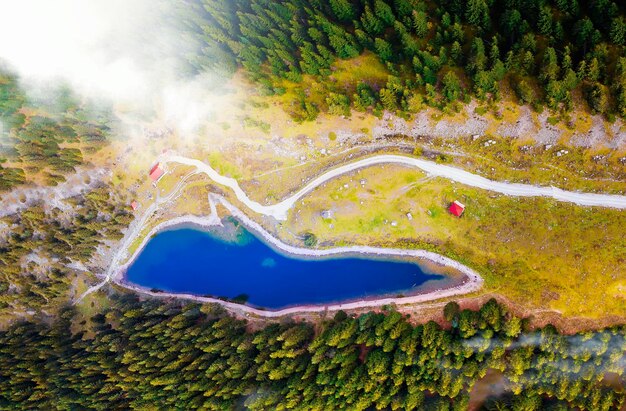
x=192, y=261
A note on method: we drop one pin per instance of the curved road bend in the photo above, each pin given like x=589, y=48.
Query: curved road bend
x=280, y=210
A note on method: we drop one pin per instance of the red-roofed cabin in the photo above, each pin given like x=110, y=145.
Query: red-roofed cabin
x=156, y=172
x=134, y=204
x=456, y=208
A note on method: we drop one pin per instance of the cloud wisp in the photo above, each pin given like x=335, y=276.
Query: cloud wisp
x=126, y=53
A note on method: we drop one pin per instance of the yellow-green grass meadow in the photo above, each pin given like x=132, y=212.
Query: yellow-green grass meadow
x=539, y=252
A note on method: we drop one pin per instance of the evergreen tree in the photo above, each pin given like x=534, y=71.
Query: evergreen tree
x=420, y=23
x=451, y=87
x=477, y=13
x=618, y=31
x=343, y=10
x=545, y=21
x=383, y=49
x=384, y=12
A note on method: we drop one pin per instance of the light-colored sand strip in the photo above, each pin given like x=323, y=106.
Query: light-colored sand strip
x=472, y=282
x=280, y=210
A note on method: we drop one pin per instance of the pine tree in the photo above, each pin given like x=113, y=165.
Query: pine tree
x=388, y=99
x=524, y=92
x=384, y=12
x=597, y=97
x=528, y=63
x=451, y=311
x=477, y=13
x=545, y=21
x=456, y=53
x=549, y=67
x=451, y=87
x=618, y=31
x=371, y=23
x=343, y=10
x=383, y=49
x=420, y=23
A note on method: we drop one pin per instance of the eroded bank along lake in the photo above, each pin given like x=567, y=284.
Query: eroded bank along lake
x=186, y=260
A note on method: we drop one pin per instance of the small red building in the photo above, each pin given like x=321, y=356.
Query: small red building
x=156, y=172
x=134, y=204
x=457, y=208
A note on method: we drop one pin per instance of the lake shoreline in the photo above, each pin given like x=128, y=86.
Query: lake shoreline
x=469, y=281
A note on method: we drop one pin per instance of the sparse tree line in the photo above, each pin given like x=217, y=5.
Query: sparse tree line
x=437, y=53
x=35, y=136
x=38, y=246
x=150, y=354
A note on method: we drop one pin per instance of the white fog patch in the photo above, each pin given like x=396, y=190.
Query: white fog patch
x=81, y=42
x=127, y=53
x=189, y=103
x=4, y=140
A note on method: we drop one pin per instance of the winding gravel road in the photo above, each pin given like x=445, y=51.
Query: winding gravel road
x=280, y=210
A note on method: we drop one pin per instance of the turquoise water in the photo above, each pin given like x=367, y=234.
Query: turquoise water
x=192, y=261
